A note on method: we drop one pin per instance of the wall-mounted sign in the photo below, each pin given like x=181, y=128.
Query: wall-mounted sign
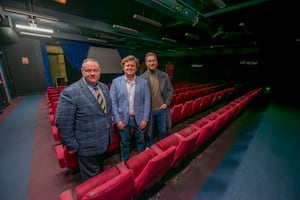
x=249, y=62
x=197, y=65
x=25, y=60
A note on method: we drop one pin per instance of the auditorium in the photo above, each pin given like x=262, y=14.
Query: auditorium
x=234, y=108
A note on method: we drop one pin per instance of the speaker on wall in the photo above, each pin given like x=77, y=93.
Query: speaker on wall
x=7, y=34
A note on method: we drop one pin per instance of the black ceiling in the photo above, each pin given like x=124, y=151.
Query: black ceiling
x=192, y=25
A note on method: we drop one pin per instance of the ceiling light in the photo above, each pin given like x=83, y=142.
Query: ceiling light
x=35, y=34
x=220, y=32
x=125, y=29
x=34, y=28
x=169, y=39
x=219, y=3
x=147, y=20
x=61, y=1
x=96, y=40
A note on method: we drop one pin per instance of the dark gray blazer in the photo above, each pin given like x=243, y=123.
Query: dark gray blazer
x=166, y=90
x=81, y=122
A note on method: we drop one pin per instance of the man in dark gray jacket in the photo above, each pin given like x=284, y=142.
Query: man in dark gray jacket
x=161, y=95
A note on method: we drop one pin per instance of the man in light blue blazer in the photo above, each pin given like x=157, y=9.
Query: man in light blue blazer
x=85, y=127
x=131, y=104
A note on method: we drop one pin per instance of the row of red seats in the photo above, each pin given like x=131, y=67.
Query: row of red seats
x=184, y=110
x=191, y=94
x=178, y=113
x=52, y=96
x=69, y=161
x=184, y=87
x=131, y=179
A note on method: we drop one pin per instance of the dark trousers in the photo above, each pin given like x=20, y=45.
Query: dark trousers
x=90, y=166
x=159, y=118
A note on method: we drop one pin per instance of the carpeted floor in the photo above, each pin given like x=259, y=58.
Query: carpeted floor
x=17, y=132
x=47, y=179
x=255, y=157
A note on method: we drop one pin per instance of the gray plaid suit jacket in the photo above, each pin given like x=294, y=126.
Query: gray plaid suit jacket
x=81, y=122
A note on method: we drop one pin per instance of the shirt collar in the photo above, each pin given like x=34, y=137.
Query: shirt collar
x=127, y=79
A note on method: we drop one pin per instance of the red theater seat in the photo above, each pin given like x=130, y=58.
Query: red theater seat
x=176, y=113
x=186, y=109
x=187, y=130
x=70, y=159
x=110, y=184
x=204, y=133
x=65, y=159
x=184, y=145
x=196, y=105
x=55, y=134
x=115, y=140
x=152, y=171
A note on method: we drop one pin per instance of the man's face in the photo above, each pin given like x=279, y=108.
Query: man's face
x=151, y=62
x=130, y=67
x=91, y=72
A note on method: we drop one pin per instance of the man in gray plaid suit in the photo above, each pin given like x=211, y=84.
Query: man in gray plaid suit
x=85, y=128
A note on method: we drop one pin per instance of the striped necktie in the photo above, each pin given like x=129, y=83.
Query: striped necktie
x=100, y=99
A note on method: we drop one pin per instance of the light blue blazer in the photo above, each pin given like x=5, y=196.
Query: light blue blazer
x=120, y=100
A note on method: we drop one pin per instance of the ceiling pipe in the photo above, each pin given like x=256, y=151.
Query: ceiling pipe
x=147, y=20
x=125, y=29
x=169, y=39
x=30, y=14
x=96, y=40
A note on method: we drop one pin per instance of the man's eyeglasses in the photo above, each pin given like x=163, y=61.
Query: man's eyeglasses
x=92, y=70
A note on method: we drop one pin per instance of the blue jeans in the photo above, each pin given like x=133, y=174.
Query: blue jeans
x=125, y=137
x=159, y=118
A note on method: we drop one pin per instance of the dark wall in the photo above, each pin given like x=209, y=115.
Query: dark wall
x=284, y=67
x=277, y=68
x=218, y=69
x=27, y=78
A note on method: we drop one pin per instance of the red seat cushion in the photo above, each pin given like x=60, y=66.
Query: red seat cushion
x=138, y=162
x=70, y=159
x=59, y=150
x=66, y=195
x=155, y=169
x=167, y=142
x=87, y=186
x=119, y=187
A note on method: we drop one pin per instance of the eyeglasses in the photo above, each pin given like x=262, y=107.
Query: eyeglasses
x=92, y=70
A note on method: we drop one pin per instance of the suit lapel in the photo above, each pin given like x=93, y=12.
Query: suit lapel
x=124, y=86
x=89, y=94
